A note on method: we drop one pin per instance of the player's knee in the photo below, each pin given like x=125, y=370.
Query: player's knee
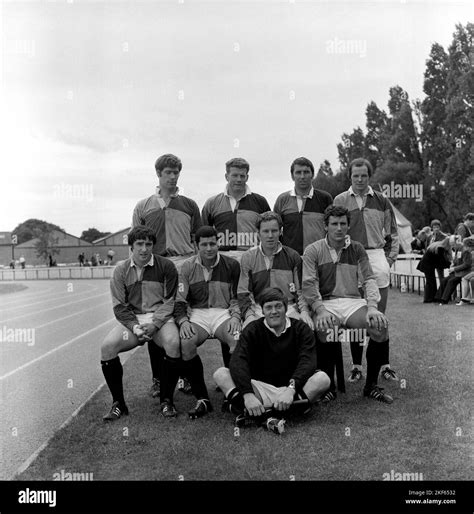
x=320, y=380
x=188, y=349
x=109, y=349
x=221, y=375
x=378, y=335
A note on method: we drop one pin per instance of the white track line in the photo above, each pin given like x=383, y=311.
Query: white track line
x=30, y=314
x=43, y=292
x=29, y=461
x=35, y=294
x=71, y=315
x=57, y=297
x=74, y=339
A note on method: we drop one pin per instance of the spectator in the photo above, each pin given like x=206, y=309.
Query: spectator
x=420, y=243
x=437, y=255
x=460, y=267
x=467, y=282
x=12, y=264
x=81, y=259
x=110, y=256
x=93, y=260
x=466, y=228
x=50, y=261
x=436, y=235
x=22, y=261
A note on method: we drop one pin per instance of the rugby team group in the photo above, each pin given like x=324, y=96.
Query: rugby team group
x=276, y=288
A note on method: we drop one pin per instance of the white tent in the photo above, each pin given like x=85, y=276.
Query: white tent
x=405, y=233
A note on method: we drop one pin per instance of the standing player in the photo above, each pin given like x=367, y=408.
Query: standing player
x=302, y=208
x=174, y=220
x=234, y=213
x=372, y=219
x=206, y=306
x=332, y=270
x=273, y=365
x=143, y=291
x=271, y=264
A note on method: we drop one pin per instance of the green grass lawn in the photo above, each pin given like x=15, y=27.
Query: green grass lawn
x=426, y=430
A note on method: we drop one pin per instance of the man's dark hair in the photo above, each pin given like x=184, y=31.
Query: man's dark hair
x=336, y=211
x=205, y=231
x=269, y=216
x=273, y=294
x=237, y=162
x=168, y=161
x=469, y=216
x=141, y=232
x=301, y=161
x=435, y=222
x=360, y=161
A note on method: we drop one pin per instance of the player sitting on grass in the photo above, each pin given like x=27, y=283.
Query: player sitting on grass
x=208, y=289
x=143, y=291
x=273, y=365
x=332, y=268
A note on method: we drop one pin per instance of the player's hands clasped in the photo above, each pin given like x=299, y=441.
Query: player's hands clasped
x=253, y=405
x=376, y=319
x=284, y=399
x=325, y=320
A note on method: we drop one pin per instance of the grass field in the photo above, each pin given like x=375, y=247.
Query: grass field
x=426, y=430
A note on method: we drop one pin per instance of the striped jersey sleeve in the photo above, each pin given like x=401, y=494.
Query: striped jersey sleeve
x=236, y=228
x=173, y=225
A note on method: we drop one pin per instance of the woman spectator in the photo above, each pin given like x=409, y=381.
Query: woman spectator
x=467, y=282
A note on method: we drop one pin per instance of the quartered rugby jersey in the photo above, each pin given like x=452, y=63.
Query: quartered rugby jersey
x=153, y=292
x=236, y=227
x=174, y=224
x=200, y=289
x=285, y=272
x=329, y=274
x=370, y=224
x=301, y=228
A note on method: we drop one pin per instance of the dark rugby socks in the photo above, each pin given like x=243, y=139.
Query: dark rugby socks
x=113, y=372
x=194, y=372
x=157, y=357
x=374, y=362
x=170, y=376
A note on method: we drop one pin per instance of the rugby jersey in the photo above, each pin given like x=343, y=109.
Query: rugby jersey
x=370, y=224
x=174, y=224
x=300, y=228
x=200, y=289
x=255, y=275
x=153, y=291
x=261, y=355
x=330, y=274
x=236, y=227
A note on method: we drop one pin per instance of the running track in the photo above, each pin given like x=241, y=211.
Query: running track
x=42, y=384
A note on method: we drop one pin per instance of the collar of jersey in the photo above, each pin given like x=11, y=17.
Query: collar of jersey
x=199, y=260
x=287, y=326
x=149, y=263
x=370, y=192
x=158, y=192
x=347, y=242
x=247, y=191
x=309, y=195
x=278, y=250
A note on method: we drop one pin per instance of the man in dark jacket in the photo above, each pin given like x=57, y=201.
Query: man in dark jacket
x=273, y=365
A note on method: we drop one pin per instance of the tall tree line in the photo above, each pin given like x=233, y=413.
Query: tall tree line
x=423, y=142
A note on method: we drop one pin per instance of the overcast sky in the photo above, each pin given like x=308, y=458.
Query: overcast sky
x=93, y=92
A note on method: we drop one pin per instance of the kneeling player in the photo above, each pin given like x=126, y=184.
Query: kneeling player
x=273, y=368
x=143, y=291
x=332, y=269
x=206, y=307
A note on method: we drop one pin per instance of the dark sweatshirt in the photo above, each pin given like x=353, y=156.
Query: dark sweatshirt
x=261, y=355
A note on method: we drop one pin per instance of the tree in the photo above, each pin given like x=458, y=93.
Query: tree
x=352, y=146
x=377, y=128
x=27, y=230
x=46, y=244
x=91, y=234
